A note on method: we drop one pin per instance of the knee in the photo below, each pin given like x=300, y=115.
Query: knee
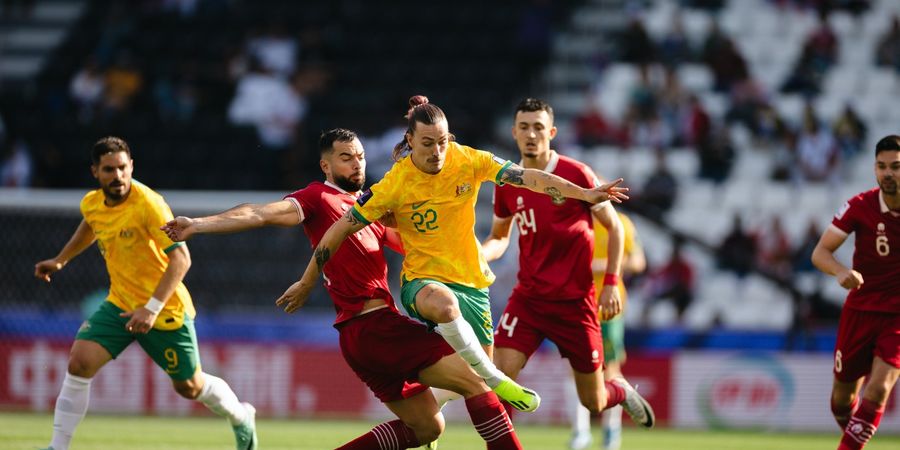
x=81, y=368
x=428, y=430
x=439, y=307
x=188, y=389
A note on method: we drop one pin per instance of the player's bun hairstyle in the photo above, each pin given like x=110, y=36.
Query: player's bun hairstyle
x=890, y=143
x=328, y=138
x=109, y=144
x=420, y=111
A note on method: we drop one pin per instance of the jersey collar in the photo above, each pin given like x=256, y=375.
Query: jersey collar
x=551, y=165
x=336, y=187
x=882, y=203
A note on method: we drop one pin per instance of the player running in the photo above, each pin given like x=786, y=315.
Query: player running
x=868, y=340
x=395, y=356
x=554, y=298
x=445, y=277
x=613, y=331
x=147, y=301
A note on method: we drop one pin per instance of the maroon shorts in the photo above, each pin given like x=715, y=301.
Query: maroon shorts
x=387, y=351
x=863, y=335
x=570, y=324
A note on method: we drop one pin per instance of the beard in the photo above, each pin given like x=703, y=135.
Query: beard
x=109, y=193
x=349, y=185
x=889, y=187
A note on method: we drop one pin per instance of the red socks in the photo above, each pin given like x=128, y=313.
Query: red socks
x=862, y=426
x=393, y=435
x=615, y=394
x=492, y=422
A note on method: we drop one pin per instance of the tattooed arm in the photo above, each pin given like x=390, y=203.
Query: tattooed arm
x=559, y=188
x=296, y=295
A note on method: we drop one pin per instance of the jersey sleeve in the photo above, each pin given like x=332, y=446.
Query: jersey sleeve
x=500, y=207
x=302, y=200
x=632, y=243
x=376, y=201
x=591, y=180
x=489, y=167
x=156, y=214
x=845, y=218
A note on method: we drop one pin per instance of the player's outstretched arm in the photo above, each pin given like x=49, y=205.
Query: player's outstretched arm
x=240, y=218
x=498, y=241
x=824, y=260
x=80, y=240
x=295, y=296
x=559, y=188
x=141, y=319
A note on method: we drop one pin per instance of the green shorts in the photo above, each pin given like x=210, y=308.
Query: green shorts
x=613, y=340
x=176, y=351
x=475, y=305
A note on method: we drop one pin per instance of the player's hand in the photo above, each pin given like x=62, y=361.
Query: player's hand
x=295, y=296
x=609, y=191
x=610, y=303
x=850, y=279
x=180, y=228
x=140, y=320
x=45, y=268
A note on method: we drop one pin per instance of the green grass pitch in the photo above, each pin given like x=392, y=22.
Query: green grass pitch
x=99, y=432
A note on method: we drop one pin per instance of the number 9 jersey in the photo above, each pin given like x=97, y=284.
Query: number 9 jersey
x=877, y=251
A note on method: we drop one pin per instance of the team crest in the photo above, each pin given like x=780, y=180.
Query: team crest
x=463, y=188
x=126, y=233
x=520, y=204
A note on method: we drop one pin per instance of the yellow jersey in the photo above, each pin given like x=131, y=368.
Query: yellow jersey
x=436, y=214
x=134, y=248
x=601, y=240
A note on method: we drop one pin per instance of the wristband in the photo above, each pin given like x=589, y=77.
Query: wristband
x=610, y=279
x=154, y=305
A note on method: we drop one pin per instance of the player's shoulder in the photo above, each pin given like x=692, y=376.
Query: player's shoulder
x=865, y=199
x=314, y=187
x=143, y=192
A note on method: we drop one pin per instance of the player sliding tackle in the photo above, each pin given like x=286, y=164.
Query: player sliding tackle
x=432, y=195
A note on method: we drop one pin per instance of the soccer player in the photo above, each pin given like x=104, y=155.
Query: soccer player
x=147, y=301
x=613, y=331
x=554, y=297
x=432, y=195
x=395, y=356
x=868, y=340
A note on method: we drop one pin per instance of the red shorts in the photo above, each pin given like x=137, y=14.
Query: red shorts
x=862, y=335
x=570, y=324
x=387, y=351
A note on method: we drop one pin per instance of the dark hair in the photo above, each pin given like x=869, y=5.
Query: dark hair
x=109, y=144
x=419, y=111
x=328, y=138
x=890, y=143
x=533, y=104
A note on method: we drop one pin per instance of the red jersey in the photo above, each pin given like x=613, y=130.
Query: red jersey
x=556, y=239
x=877, y=230
x=357, y=271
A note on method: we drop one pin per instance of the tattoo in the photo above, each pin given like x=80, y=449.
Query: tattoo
x=555, y=195
x=352, y=218
x=322, y=256
x=513, y=175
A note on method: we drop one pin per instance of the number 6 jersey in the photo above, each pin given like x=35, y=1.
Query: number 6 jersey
x=876, y=253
